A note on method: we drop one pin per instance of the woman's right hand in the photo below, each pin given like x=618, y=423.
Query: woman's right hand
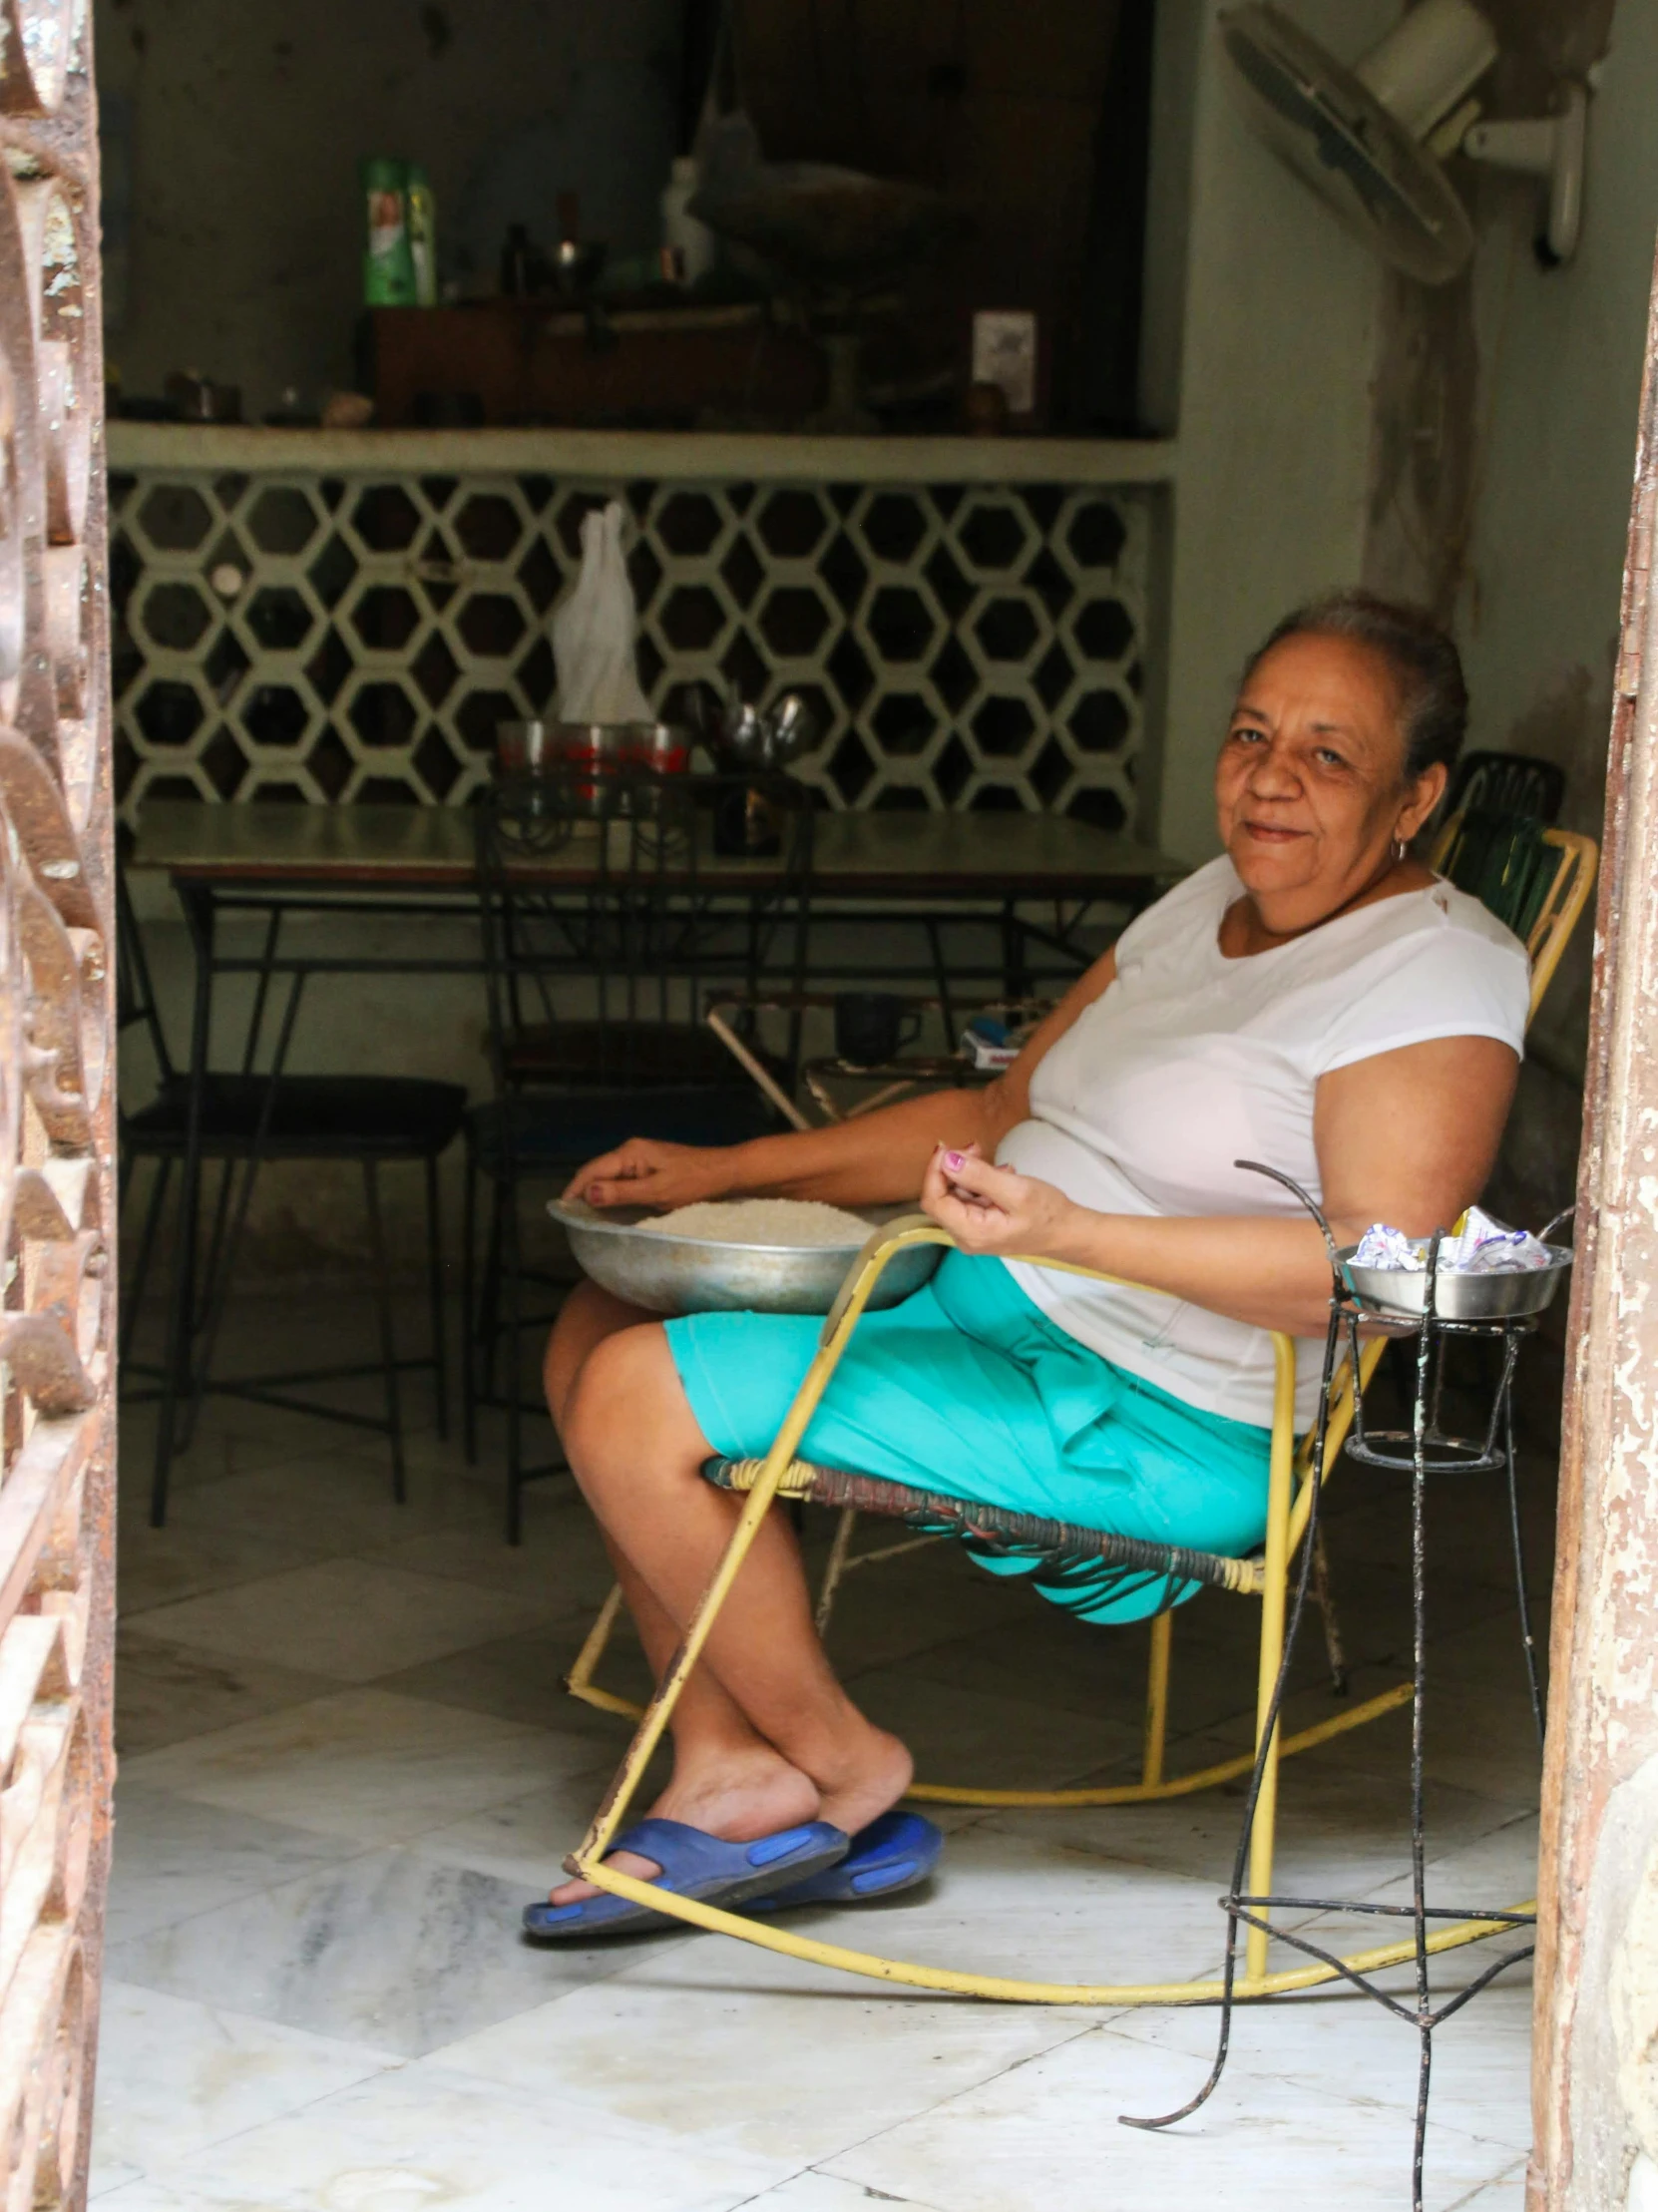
x=647, y=1172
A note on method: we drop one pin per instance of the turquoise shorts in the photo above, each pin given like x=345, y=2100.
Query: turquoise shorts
x=969, y=1389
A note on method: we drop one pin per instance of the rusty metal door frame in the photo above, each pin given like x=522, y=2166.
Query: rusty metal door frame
x=57, y=1044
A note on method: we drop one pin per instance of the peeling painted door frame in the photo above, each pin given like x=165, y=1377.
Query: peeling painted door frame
x=1603, y=1701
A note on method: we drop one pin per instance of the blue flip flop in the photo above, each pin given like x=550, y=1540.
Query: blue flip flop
x=893, y=1853
x=693, y=1863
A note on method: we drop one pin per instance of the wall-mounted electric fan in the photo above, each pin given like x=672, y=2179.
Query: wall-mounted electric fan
x=1371, y=139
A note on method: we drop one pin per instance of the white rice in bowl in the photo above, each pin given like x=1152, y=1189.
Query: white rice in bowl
x=791, y=1222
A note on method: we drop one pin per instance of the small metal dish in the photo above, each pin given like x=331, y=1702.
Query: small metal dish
x=666, y=1273
x=1460, y=1297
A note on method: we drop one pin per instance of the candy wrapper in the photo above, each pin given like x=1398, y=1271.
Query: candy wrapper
x=1485, y=1247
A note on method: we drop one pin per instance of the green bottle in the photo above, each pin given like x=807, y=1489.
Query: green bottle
x=389, y=258
x=423, y=235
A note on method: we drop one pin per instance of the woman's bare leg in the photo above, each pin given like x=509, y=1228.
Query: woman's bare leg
x=727, y=1780
x=638, y=1452
x=586, y=1318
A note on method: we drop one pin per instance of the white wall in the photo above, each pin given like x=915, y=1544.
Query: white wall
x=1561, y=380
x=1277, y=323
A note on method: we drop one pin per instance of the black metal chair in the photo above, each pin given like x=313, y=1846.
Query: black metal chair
x=598, y=943
x=249, y=1117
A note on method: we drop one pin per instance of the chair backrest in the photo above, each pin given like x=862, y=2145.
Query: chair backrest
x=1564, y=863
x=1535, y=879
x=602, y=930
x=1505, y=783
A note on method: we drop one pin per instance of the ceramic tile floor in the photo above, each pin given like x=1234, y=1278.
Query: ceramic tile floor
x=347, y=1762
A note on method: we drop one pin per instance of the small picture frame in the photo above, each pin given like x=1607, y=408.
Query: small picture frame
x=1005, y=355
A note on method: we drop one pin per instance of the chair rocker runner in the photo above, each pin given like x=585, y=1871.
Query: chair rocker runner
x=1296, y=1475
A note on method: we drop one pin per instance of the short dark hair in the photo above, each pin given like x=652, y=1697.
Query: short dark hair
x=1433, y=698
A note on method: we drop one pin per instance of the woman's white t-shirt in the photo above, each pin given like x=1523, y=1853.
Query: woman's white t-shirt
x=1191, y=1061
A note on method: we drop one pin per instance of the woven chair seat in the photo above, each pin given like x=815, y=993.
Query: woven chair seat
x=934, y=1514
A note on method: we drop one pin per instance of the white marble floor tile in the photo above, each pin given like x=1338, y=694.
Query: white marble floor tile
x=522, y=1678
x=363, y=1764
x=1479, y=1740
x=969, y=1736
x=524, y=1841
x=419, y=2139
x=1494, y=1871
x=1339, y=2043
x=348, y=1619
x=231, y=1439
x=997, y=1906
x=163, y=1693
x=886, y=1615
x=175, y=2076
x=332, y=1500
x=815, y=2192
x=1093, y=1671
x=108, y=2174
x=389, y=1948
x=157, y=1567
x=561, y=1564
x=809, y=2064
x=1506, y=2194
x=1045, y=2133
x=1339, y=1830
x=173, y=1858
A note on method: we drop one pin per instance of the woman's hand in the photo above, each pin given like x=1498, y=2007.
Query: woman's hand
x=647, y=1172
x=993, y=1210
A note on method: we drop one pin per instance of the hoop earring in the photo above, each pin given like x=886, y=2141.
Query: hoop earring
x=1401, y=848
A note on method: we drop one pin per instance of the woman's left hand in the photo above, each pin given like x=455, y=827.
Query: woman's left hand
x=991, y=1210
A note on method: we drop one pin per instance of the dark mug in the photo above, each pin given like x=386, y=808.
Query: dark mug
x=872, y=1026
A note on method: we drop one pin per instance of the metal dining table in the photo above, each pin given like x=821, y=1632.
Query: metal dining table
x=1038, y=882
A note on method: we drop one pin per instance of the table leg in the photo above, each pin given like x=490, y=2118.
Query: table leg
x=198, y=902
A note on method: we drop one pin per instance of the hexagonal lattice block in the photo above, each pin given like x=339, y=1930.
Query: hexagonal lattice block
x=491, y=624
x=387, y=519
x=282, y=520
x=793, y=523
x=169, y=715
x=489, y=527
x=280, y=617
x=1007, y=630
x=794, y=620
x=901, y=624
x=172, y=518
x=979, y=646
x=175, y=615
x=386, y=617
x=995, y=535
x=383, y=714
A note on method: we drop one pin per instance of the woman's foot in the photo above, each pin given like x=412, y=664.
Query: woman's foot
x=738, y=1797
x=877, y=1772
x=747, y=1794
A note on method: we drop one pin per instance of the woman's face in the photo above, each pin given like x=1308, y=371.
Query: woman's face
x=1309, y=787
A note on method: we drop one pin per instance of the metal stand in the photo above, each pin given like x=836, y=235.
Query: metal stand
x=1423, y=1451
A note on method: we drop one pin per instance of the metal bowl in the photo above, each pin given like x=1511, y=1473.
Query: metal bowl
x=666, y=1273
x=1460, y=1297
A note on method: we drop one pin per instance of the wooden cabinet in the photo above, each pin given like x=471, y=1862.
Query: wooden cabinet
x=512, y=362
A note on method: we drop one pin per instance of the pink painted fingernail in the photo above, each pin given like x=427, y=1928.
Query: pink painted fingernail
x=955, y=1161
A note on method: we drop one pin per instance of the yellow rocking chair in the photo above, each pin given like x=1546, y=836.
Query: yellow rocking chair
x=1547, y=897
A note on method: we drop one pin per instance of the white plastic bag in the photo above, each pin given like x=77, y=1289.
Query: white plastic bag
x=594, y=632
